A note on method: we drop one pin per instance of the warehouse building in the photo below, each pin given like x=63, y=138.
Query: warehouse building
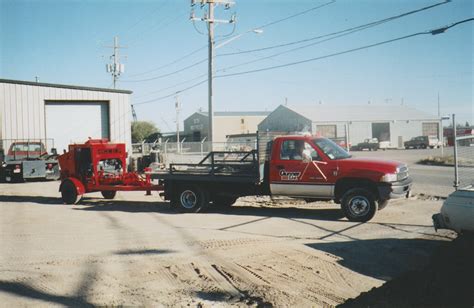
x=225, y=123
x=62, y=114
x=393, y=123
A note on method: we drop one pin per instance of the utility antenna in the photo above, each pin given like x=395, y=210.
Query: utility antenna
x=209, y=19
x=115, y=68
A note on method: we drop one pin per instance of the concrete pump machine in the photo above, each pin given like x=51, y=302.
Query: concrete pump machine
x=98, y=165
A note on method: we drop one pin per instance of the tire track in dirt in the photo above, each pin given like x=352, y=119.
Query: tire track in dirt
x=215, y=272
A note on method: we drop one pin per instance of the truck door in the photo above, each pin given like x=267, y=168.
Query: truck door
x=292, y=175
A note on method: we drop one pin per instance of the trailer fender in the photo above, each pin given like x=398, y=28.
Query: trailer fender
x=78, y=184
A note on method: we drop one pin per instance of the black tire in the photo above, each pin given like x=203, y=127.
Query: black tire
x=191, y=199
x=358, y=204
x=382, y=204
x=223, y=201
x=108, y=194
x=69, y=193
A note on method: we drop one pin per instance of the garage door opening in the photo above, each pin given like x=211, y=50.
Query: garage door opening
x=381, y=131
x=75, y=122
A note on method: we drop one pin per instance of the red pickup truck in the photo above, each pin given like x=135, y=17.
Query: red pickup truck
x=296, y=166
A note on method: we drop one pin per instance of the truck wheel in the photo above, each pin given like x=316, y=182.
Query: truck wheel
x=108, y=194
x=69, y=193
x=223, y=201
x=358, y=204
x=192, y=199
x=382, y=204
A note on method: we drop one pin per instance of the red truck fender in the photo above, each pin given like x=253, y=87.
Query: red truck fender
x=78, y=184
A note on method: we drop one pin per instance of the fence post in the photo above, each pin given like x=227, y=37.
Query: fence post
x=455, y=143
x=346, y=130
x=202, y=145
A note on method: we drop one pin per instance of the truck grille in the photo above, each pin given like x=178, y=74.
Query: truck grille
x=402, y=173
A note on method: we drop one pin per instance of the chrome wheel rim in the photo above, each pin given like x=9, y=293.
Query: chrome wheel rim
x=188, y=199
x=359, y=205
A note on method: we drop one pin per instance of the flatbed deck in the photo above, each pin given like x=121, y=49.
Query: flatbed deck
x=225, y=167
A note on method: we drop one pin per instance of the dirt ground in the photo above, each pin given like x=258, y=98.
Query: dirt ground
x=135, y=251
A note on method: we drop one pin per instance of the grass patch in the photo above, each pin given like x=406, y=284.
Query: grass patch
x=437, y=161
x=463, y=162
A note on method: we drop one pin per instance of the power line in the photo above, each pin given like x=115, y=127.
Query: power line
x=142, y=19
x=203, y=47
x=432, y=32
x=172, y=62
x=297, y=14
x=174, y=85
x=158, y=26
x=349, y=30
x=172, y=94
x=168, y=74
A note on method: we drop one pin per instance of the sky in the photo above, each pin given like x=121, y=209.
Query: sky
x=66, y=42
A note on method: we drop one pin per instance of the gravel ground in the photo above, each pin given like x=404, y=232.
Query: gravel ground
x=135, y=251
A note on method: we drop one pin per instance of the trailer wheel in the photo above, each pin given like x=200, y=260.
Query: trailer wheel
x=223, y=201
x=358, y=204
x=69, y=193
x=108, y=194
x=191, y=199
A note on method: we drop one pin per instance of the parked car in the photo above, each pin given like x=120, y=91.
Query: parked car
x=371, y=144
x=422, y=142
x=457, y=212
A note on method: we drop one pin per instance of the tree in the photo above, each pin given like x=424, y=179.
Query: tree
x=141, y=130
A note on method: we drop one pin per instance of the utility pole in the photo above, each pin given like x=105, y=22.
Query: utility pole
x=210, y=20
x=134, y=114
x=115, y=68
x=178, y=108
x=439, y=109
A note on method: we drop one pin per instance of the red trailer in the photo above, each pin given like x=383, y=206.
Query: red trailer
x=98, y=165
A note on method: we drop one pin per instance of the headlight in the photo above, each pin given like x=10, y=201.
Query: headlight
x=389, y=177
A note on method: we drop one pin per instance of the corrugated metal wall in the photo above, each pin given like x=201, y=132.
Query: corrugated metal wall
x=22, y=110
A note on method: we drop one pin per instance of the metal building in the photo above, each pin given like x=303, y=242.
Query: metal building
x=393, y=123
x=225, y=123
x=62, y=114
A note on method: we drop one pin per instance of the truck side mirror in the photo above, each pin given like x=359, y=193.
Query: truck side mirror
x=54, y=151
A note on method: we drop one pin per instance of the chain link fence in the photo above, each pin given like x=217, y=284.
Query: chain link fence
x=193, y=148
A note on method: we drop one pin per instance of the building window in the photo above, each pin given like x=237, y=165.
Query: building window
x=328, y=131
x=196, y=121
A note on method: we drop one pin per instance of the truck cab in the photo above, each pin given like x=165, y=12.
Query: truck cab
x=318, y=169
x=26, y=160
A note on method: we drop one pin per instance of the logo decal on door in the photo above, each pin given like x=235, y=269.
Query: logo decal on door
x=289, y=176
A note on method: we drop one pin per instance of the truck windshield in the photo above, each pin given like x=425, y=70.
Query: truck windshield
x=332, y=150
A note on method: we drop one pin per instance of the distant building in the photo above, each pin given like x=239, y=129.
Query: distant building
x=62, y=114
x=393, y=123
x=225, y=123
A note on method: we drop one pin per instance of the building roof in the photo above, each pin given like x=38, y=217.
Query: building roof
x=347, y=113
x=63, y=86
x=236, y=113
